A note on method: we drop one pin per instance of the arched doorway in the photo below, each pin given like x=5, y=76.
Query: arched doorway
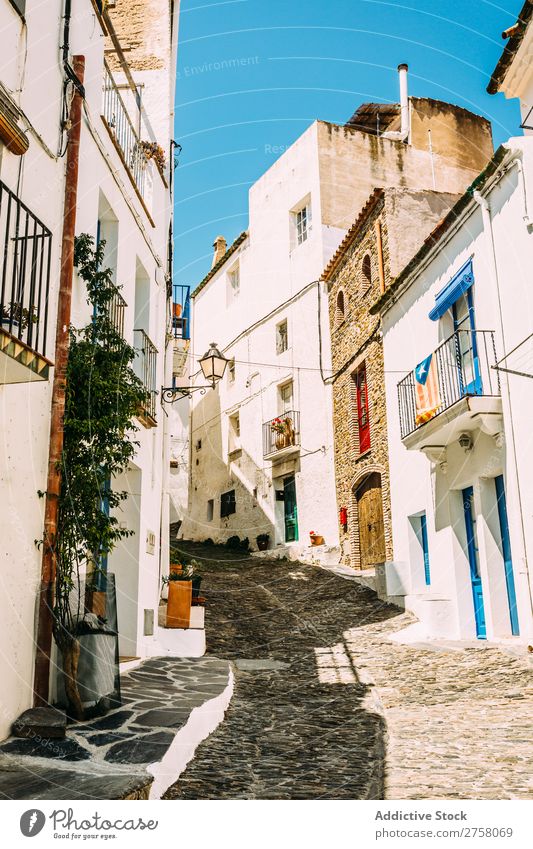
x=371, y=529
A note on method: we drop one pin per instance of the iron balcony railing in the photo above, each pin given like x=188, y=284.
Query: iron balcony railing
x=116, y=309
x=145, y=367
x=281, y=432
x=181, y=312
x=121, y=128
x=460, y=366
x=25, y=255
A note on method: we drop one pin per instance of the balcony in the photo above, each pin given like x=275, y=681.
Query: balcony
x=124, y=135
x=455, y=389
x=25, y=257
x=281, y=436
x=181, y=312
x=181, y=328
x=116, y=309
x=145, y=367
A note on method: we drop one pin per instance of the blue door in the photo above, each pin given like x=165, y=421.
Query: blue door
x=467, y=354
x=506, y=551
x=425, y=548
x=475, y=577
x=291, y=509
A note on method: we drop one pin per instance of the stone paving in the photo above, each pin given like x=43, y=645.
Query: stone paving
x=327, y=706
x=107, y=758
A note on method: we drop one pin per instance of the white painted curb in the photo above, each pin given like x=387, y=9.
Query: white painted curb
x=201, y=723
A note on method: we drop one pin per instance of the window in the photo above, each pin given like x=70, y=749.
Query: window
x=300, y=222
x=227, y=504
x=366, y=270
x=282, y=337
x=231, y=370
x=286, y=397
x=234, y=433
x=363, y=421
x=339, y=309
x=234, y=282
x=210, y=509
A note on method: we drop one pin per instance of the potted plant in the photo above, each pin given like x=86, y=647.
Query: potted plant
x=284, y=430
x=179, y=597
x=262, y=541
x=316, y=539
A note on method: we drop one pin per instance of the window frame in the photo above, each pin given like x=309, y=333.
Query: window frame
x=340, y=314
x=279, y=336
x=234, y=273
x=362, y=408
x=228, y=501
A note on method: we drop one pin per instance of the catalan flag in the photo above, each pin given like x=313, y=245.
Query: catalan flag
x=427, y=390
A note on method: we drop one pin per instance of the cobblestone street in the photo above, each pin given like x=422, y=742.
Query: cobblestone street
x=327, y=706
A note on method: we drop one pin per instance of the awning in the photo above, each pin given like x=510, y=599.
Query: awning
x=453, y=290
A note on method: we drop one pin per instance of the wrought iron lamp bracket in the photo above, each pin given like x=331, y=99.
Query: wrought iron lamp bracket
x=169, y=394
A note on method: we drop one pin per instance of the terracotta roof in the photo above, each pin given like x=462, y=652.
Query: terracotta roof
x=517, y=33
x=374, y=118
x=339, y=254
x=231, y=250
x=440, y=230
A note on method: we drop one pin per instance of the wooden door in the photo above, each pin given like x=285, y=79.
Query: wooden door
x=371, y=528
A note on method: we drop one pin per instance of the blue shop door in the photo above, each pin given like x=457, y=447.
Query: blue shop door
x=475, y=577
x=506, y=551
x=467, y=353
x=291, y=509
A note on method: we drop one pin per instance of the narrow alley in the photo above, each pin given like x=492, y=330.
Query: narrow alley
x=326, y=706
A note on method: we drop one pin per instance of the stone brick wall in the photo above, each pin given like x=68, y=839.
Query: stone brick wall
x=356, y=340
x=144, y=32
x=405, y=219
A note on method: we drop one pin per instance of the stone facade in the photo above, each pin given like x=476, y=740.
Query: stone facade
x=392, y=224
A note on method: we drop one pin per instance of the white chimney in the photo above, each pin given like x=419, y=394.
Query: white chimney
x=403, y=133
x=404, y=100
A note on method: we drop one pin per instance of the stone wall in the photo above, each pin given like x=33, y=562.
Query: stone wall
x=405, y=219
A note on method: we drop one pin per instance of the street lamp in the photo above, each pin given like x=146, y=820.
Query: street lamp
x=213, y=365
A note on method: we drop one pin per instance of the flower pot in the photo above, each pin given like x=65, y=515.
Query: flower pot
x=316, y=539
x=179, y=604
x=281, y=441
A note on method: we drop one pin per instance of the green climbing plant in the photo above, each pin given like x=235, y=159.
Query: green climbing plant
x=103, y=396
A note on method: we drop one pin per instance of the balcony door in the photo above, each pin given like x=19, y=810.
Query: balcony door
x=466, y=342
x=291, y=509
x=473, y=560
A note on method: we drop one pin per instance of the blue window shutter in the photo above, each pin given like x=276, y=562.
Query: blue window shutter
x=458, y=285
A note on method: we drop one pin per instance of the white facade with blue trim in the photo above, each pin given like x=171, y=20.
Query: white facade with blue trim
x=460, y=429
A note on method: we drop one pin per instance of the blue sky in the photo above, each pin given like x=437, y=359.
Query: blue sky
x=253, y=74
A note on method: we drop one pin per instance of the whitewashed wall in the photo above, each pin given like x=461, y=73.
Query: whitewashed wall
x=31, y=71
x=409, y=336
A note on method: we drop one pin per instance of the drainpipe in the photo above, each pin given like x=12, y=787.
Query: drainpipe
x=484, y=204
x=53, y=487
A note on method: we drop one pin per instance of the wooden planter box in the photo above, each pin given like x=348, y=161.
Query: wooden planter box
x=179, y=604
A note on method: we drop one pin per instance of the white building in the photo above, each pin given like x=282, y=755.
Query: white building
x=459, y=422
x=124, y=198
x=261, y=303
x=513, y=75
